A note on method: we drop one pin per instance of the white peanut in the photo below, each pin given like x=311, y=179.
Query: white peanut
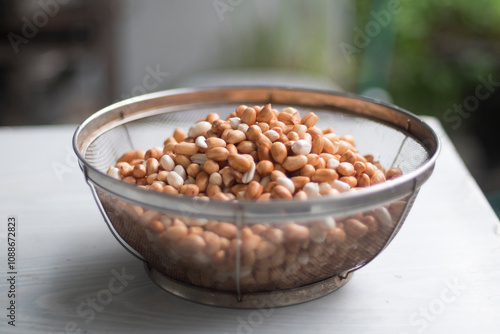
x=286, y=182
x=272, y=135
x=243, y=127
x=324, y=188
x=301, y=146
x=199, y=129
x=114, y=173
x=175, y=180
x=215, y=178
x=199, y=158
x=181, y=171
x=332, y=163
x=327, y=223
x=201, y=142
x=340, y=186
x=167, y=162
x=248, y=176
x=290, y=110
x=234, y=122
x=311, y=189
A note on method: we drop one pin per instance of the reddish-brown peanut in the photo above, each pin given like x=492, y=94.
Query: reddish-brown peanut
x=265, y=167
x=293, y=163
x=217, y=154
x=324, y=175
x=278, y=152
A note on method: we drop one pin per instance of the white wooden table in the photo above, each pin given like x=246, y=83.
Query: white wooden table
x=441, y=274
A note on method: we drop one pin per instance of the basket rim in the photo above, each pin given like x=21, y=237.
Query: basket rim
x=275, y=210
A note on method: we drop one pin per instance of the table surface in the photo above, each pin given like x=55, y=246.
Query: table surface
x=441, y=274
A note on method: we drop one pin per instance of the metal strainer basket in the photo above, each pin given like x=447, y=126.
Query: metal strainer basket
x=231, y=273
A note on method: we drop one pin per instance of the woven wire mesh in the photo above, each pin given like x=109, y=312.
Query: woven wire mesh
x=314, y=262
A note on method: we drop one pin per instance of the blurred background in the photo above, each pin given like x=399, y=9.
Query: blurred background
x=62, y=60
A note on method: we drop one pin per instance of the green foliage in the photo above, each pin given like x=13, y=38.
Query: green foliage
x=440, y=49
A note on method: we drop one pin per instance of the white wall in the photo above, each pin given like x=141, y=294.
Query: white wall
x=188, y=38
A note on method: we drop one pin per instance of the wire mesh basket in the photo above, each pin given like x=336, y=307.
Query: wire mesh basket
x=341, y=233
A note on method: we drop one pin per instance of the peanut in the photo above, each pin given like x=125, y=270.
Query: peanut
x=235, y=122
x=235, y=136
x=265, y=167
x=182, y=160
x=232, y=149
x=215, y=178
x=175, y=180
x=139, y=171
x=324, y=175
x=210, y=166
x=278, y=152
x=274, y=134
x=254, y=190
x=250, y=174
x=249, y=116
x=186, y=148
x=153, y=153
x=253, y=132
x=199, y=129
x=350, y=180
x=301, y=146
x=201, y=142
x=246, y=147
x=309, y=120
x=286, y=182
x=127, y=157
x=281, y=192
x=264, y=152
x=218, y=154
x=355, y=228
x=179, y=169
x=300, y=181
x=167, y=163
x=393, y=173
x=308, y=171
x=179, y=135
x=215, y=142
x=363, y=180
x=377, y=177
x=265, y=114
x=202, y=180
x=317, y=145
x=293, y=163
x=114, y=173
x=241, y=162
x=124, y=168
x=296, y=233
x=346, y=169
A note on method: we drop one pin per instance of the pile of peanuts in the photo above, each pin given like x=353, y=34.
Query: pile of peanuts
x=257, y=153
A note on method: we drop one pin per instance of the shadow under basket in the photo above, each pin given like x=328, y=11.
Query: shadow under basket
x=286, y=251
